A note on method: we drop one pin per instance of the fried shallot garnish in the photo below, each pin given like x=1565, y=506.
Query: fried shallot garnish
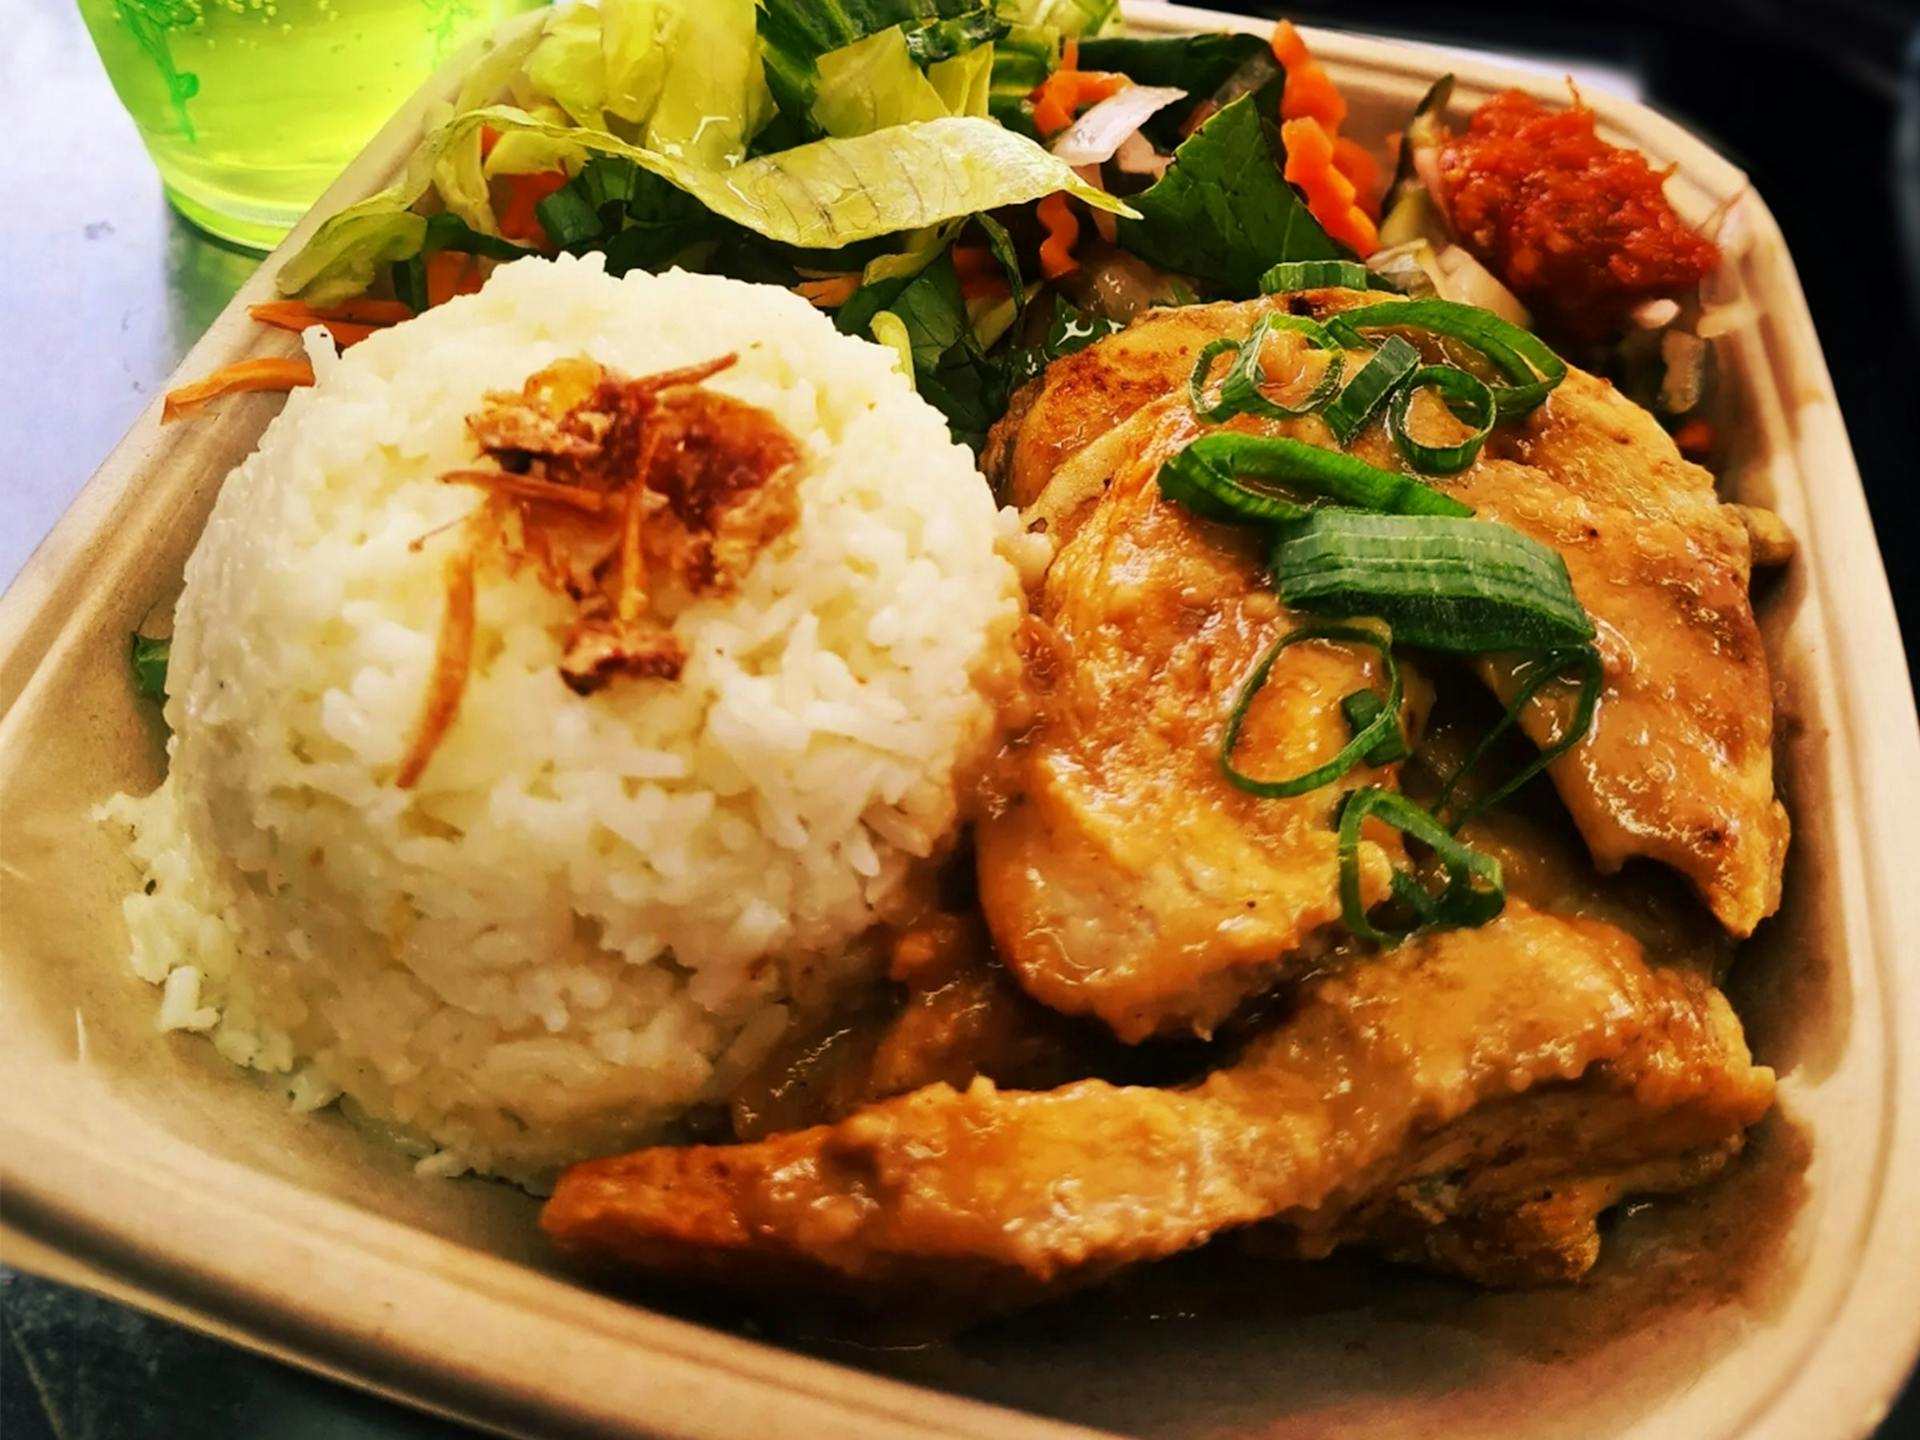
x=633, y=497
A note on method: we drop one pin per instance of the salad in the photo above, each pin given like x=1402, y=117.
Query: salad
x=988, y=185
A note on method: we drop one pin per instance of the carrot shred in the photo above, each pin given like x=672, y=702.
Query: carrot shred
x=1695, y=438
x=1339, y=176
x=1329, y=194
x=1056, y=251
x=829, y=293
x=451, y=273
x=1060, y=96
x=1356, y=162
x=270, y=373
x=1197, y=117
x=518, y=219
x=349, y=324
x=979, y=273
x=452, y=661
x=1288, y=48
x=489, y=137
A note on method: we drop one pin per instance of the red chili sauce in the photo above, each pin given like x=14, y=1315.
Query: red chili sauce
x=1579, y=229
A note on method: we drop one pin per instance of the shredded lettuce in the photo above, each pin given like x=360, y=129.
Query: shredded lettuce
x=1222, y=211
x=713, y=102
x=1066, y=17
x=871, y=84
x=796, y=34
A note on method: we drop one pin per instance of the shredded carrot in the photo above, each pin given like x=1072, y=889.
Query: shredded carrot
x=1339, y=176
x=1695, y=438
x=518, y=219
x=1062, y=94
x=829, y=293
x=1310, y=94
x=1356, y=162
x=980, y=274
x=1330, y=195
x=1056, y=251
x=275, y=373
x=489, y=137
x=1288, y=48
x=451, y=273
x=452, y=660
x=349, y=323
x=1199, y=116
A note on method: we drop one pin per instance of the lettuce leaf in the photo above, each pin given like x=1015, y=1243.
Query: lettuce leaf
x=871, y=84
x=795, y=34
x=821, y=196
x=834, y=192
x=714, y=101
x=1067, y=17
x=1222, y=211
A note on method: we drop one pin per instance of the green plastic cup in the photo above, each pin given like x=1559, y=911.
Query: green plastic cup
x=250, y=108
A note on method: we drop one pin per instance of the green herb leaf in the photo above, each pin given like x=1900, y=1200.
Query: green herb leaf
x=149, y=656
x=1222, y=211
x=1441, y=583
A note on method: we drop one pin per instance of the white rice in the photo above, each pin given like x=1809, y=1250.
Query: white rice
x=591, y=911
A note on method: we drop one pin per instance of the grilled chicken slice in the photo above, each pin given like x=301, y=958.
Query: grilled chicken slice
x=1530, y=1050
x=1122, y=874
x=1679, y=766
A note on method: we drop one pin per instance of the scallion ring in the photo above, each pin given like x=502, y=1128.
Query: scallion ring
x=1475, y=891
x=1360, y=710
x=1291, y=275
x=1470, y=400
x=1218, y=408
x=1382, y=727
x=1519, y=355
x=1241, y=392
x=1209, y=477
x=1549, y=665
x=1386, y=368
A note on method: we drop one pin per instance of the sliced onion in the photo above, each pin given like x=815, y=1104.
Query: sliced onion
x=1098, y=133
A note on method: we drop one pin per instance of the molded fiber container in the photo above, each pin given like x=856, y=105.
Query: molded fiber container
x=1780, y=1303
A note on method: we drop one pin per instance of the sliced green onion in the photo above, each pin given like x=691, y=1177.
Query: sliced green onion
x=1467, y=396
x=1475, y=891
x=148, y=656
x=1440, y=583
x=1552, y=665
x=1218, y=408
x=1241, y=389
x=1207, y=477
x=1389, y=365
x=1361, y=709
x=1290, y=275
x=1383, y=726
x=1514, y=352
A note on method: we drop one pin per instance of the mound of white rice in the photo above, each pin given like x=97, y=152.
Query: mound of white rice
x=590, y=912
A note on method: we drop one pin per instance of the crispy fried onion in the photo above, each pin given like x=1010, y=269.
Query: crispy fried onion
x=634, y=498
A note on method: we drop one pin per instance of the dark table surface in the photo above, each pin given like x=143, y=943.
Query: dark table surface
x=105, y=288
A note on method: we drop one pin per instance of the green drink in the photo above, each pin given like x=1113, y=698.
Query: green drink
x=250, y=108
